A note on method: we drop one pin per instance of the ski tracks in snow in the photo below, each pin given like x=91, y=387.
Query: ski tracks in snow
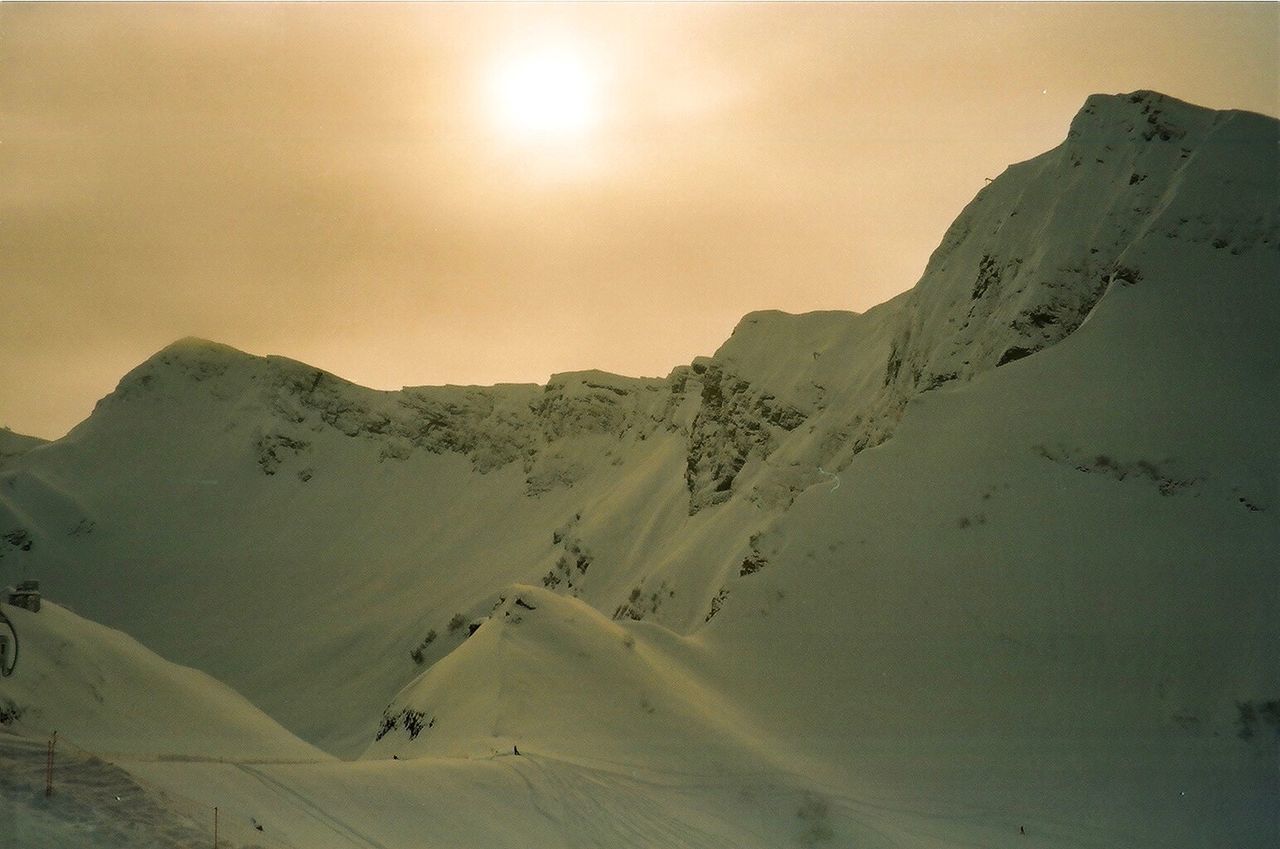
x=604, y=809
x=616, y=804
x=316, y=812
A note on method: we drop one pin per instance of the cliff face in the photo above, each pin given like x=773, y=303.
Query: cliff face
x=1027, y=261
x=270, y=496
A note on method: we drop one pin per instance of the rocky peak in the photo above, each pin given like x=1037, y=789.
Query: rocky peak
x=1035, y=251
x=1020, y=269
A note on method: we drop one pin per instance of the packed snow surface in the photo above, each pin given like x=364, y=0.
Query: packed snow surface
x=993, y=563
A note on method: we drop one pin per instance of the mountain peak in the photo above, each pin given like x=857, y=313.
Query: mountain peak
x=188, y=358
x=1143, y=115
x=189, y=347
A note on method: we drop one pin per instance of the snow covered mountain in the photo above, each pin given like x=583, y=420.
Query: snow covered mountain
x=1021, y=520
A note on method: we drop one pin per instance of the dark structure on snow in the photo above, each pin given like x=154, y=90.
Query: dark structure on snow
x=26, y=596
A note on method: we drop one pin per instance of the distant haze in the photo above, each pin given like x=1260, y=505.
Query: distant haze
x=335, y=183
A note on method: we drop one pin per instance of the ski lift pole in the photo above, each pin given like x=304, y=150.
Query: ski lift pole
x=215, y=827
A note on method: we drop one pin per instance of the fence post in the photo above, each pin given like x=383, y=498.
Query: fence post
x=48, y=766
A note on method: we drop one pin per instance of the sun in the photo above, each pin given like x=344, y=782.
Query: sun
x=545, y=95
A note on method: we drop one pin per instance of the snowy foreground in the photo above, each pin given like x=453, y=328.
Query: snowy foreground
x=992, y=564
x=928, y=790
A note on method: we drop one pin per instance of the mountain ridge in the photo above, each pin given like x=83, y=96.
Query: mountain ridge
x=214, y=474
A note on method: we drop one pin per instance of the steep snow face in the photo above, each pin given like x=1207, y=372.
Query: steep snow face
x=101, y=689
x=1082, y=542
x=338, y=533
x=1080, y=546
x=1140, y=177
x=1026, y=262
x=1028, y=259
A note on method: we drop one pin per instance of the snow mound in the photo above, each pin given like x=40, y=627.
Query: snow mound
x=552, y=675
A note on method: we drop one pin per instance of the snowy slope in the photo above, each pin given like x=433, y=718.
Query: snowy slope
x=102, y=690
x=1077, y=610
x=15, y=444
x=108, y=698
x=1020, y=521
x=1061, y=576
x=1079, y=547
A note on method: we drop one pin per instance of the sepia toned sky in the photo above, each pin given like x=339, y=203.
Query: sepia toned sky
x=370, y=189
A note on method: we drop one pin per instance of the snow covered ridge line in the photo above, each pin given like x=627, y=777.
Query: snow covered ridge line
x=1020, y=270
x=492, y=426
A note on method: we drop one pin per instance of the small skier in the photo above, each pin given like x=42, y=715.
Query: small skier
x=515, y=749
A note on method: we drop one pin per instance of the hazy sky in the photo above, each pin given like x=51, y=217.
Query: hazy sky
x=377, y=190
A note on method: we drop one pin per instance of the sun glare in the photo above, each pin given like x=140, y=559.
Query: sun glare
x=544, y=96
